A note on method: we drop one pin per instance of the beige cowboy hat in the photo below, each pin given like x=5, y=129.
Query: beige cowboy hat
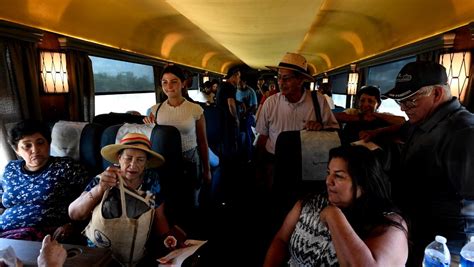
x=135, y=141
x=295, y=62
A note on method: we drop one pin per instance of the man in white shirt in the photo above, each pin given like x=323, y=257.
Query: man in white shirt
x=292, y=108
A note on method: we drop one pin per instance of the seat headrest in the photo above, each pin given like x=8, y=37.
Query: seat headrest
x=65, y=139
x=145, y=129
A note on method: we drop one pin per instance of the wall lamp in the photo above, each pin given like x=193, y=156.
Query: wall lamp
x=325, y=78
x=352, y=81
x=53, y=72
x=205, y=77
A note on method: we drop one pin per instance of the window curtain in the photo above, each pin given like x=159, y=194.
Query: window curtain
x=81, y=86
x=9, y=111
x=18, y=78
x=24, y=81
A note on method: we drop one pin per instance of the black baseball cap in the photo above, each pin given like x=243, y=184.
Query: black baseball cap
x=415, y=75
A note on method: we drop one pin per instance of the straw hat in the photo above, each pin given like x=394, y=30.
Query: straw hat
x=295, y=62
x=135, y=141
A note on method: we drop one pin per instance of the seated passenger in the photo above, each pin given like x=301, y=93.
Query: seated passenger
x=354, y=223
x=134, y=156
x=37, y=189
x=358, y=121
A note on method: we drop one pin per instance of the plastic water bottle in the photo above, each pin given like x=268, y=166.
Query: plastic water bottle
x=467, y=254
x=437, y=253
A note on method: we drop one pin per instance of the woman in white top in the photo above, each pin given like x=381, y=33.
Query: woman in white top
x=186, y=116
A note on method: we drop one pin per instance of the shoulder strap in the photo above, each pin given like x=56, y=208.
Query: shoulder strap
x=317, y=108
x=156, y=112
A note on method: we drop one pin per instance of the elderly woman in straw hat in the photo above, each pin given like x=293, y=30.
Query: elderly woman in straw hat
x=133, y=155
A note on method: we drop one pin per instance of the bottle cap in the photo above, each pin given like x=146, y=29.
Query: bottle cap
x=441, y=239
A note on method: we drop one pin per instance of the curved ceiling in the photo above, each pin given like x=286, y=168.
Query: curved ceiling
x=216, y=34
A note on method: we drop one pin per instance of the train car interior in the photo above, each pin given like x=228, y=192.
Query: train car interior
x=89, y=67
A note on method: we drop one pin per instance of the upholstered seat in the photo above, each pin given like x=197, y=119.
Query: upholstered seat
x=289, y=183
x=113, y=118
x=79, y=141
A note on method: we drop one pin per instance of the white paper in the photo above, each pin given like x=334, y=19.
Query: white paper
x=176, y=257
x=369, y=145
x=8, y=257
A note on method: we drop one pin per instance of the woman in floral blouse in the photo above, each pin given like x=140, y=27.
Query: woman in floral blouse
x=37, y=189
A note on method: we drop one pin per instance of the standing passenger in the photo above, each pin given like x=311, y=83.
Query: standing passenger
x=261, y=88
x=189, y=119
x=291, y=109
x=184, y=115
x=227, y=102
x=435, y=185
x=247, y=107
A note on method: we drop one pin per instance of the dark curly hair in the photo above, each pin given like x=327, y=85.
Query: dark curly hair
x=370, y=209
x=25, y=128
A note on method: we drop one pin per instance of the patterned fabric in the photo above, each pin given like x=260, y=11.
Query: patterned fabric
x=40, y=199
x=28, y=233
x=310, y=243
x=151, y=183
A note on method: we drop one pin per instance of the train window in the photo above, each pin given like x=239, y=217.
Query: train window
x=122, y=86
x=339, y=100
x=458, y=67
x=384, y=75
x=339, y=88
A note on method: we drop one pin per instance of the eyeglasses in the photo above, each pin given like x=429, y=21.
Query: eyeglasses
x=411, y=102
x=285, y=78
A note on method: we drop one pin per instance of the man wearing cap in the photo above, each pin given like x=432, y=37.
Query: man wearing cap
x=435, y=183
x=225, y=99
x=292, y=108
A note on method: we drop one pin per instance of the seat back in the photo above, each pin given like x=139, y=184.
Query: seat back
x=79, y=141
x=214, y=129
x=113, y=118
x=90, y=148
x=290, y=158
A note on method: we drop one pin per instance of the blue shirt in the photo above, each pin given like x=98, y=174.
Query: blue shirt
x=249, y=97
x=41, y=198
